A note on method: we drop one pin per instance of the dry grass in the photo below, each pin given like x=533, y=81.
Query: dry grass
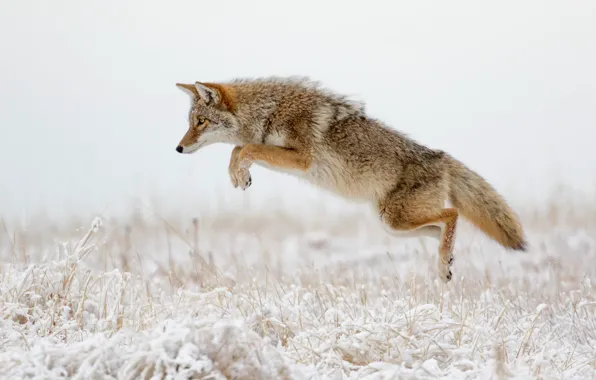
x=288, y=295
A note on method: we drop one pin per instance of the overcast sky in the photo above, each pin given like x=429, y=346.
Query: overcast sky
x=90, y=116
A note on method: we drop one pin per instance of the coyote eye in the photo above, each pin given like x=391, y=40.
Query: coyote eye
x=201, y=120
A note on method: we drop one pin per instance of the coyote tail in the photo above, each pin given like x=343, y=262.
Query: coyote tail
x=480, y=203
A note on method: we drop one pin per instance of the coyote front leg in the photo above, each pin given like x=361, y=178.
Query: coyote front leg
x=238, y=177
x=283, y=158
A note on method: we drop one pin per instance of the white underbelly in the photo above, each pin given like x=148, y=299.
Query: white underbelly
x=329, y=174
x=340, y=181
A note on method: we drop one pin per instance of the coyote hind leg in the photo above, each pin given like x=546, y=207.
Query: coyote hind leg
x=418, y=219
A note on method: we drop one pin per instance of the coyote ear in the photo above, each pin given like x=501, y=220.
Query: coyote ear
x=208, y=94
x=189, y=89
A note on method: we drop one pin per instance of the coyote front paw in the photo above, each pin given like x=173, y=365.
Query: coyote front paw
x=240, y=177
x=445, y=269
x=238, y=170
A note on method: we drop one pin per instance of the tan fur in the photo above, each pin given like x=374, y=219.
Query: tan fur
x=274, y=156
x=228, y=101
x=479, y=202
x=291, y=125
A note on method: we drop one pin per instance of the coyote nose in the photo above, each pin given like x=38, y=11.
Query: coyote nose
x=179, y=149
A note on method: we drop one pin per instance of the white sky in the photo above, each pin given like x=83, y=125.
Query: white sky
x=90, y=116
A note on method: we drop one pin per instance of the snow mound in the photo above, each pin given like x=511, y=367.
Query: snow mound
x=186, y=350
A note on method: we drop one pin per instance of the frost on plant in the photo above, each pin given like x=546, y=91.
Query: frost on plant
x=227, y=302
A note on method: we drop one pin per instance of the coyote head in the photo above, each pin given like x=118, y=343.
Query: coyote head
x=211, y=118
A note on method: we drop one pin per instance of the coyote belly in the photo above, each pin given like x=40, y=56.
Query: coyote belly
x=292, y=125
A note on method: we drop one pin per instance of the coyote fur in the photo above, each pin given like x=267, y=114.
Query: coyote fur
x=293, y=125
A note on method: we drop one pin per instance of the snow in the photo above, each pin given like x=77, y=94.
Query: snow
x=276, y=298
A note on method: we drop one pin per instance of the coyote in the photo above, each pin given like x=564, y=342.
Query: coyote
x=293, y=125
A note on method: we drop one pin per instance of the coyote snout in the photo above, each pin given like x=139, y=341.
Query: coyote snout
x=192, y=139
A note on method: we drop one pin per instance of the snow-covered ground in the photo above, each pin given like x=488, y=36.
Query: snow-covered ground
x=283, y=295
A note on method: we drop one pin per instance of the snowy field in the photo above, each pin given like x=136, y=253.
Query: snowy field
x=293, y=295
x=296, y=288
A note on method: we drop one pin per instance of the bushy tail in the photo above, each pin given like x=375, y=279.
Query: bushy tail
x=480, y=203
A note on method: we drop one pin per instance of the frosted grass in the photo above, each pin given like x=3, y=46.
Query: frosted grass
x=272, y=297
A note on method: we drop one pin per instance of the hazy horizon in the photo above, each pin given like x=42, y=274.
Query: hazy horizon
x=90, y=115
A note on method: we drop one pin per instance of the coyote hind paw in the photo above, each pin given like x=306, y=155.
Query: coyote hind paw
x=445, y=274
x=445, y=270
